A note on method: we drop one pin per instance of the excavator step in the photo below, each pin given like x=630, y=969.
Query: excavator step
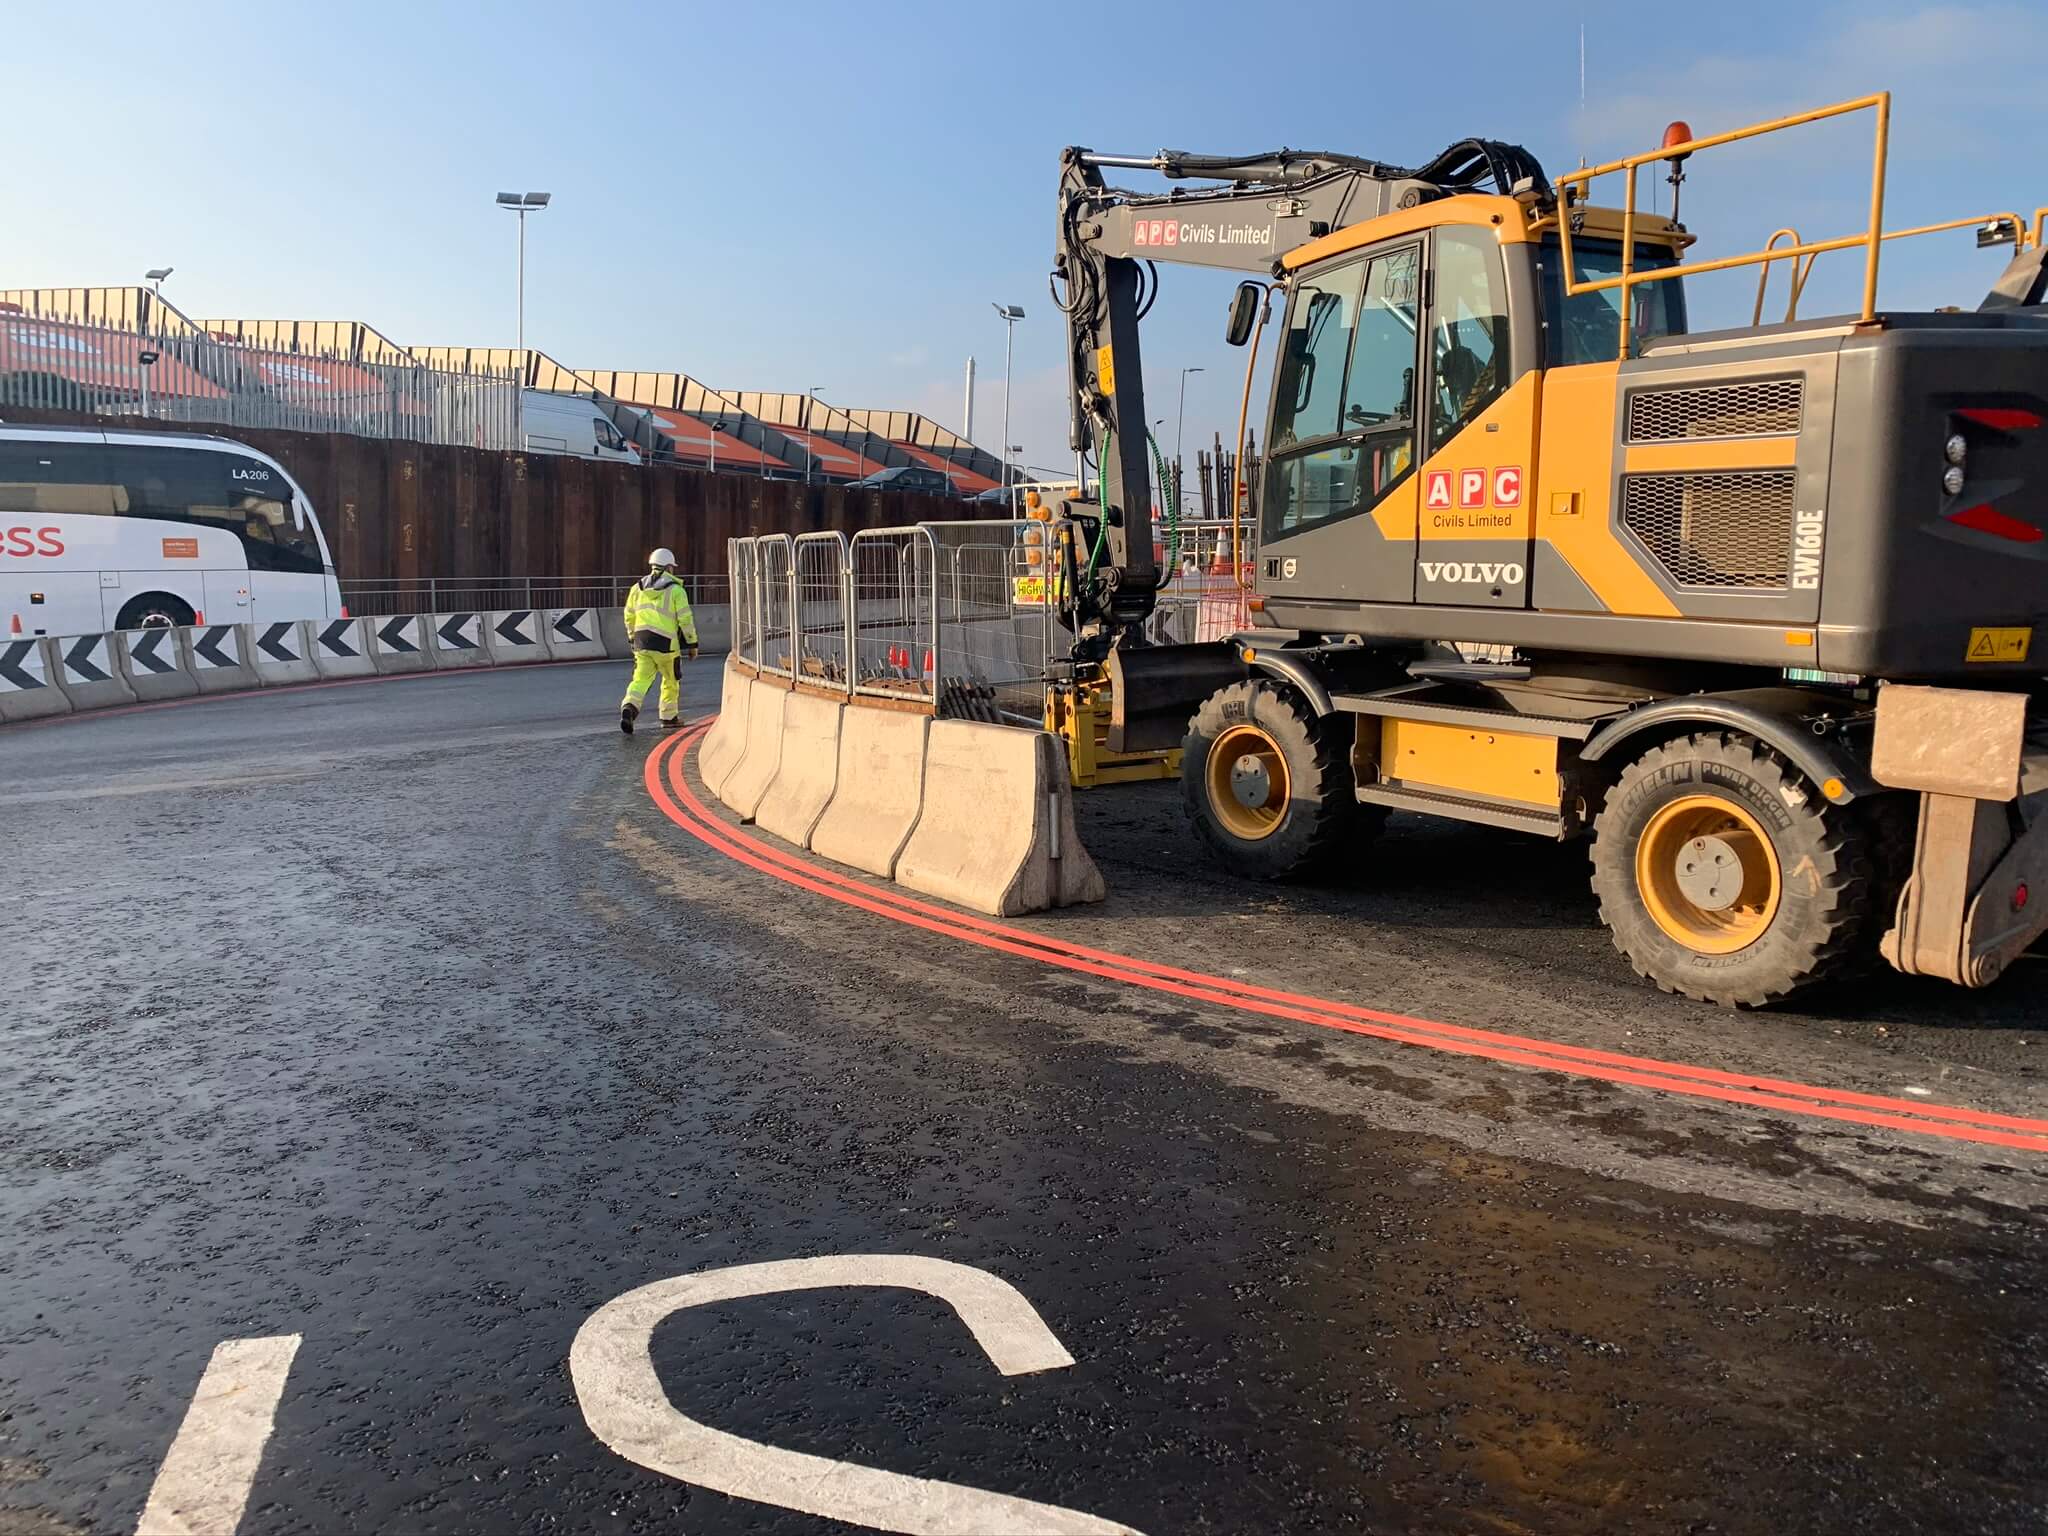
x=1410, y=703
x=1458, y=808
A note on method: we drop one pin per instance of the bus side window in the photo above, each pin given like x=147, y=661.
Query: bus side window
x=241, y=496
x=55, y=479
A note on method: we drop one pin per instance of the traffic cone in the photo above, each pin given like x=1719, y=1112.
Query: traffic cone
x=927, y=663
x=15, y=627
x=199, y=617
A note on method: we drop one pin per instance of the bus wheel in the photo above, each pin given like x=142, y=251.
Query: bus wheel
x=1268, y=784
x=154, y=610
x=1725, y=876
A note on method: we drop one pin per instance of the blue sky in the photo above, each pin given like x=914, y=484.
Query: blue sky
x=796, y=195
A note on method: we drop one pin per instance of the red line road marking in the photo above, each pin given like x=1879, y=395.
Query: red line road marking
x=1922, y=1118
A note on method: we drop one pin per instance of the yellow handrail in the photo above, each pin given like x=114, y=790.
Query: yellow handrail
x=1871, y=239
x=1799, y=275
x=2040, y=224
x=1801, y=272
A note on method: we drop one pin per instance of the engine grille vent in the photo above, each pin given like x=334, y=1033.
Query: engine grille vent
x=1769, y=407
x=1729, y=530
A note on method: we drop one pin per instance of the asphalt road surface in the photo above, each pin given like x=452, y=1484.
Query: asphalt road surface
x=397, y=1029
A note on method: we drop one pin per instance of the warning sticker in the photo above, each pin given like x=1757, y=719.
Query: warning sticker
x=181, y=549
x=1998, y=645
x=1027, y=591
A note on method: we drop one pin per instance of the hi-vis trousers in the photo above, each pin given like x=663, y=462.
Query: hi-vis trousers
x=647, y=666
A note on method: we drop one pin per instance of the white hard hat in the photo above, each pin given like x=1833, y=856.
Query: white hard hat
x=661, y=559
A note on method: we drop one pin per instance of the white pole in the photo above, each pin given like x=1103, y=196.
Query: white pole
x=519, y=416
x=968, y=410
x=1009, y=480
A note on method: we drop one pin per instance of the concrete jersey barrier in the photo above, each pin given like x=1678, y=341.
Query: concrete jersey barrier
x=154, y=664
x=399, y=644
x=877, y=790
x=88, y=674
x=996, y=832
x=457, y=640
x=283, y=653
x=755, y=771
x=26, y=689
x=515, y=635
x=572, y=634
x=726, y=742
x=611, y=628
x=217, y=655
x=341, y=647
x=808, y=770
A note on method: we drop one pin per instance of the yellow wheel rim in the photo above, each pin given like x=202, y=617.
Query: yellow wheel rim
x=1708, y=874
x=1248, y=784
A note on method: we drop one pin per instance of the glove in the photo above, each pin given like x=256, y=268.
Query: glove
x=693, y=653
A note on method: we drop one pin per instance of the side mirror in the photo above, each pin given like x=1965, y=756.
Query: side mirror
x=1244, y=309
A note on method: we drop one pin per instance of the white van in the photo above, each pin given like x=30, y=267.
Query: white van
x=572, y=424
x=132, y=530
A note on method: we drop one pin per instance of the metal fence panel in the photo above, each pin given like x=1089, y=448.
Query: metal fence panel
x=746, y=609
x=824, y=638
x=991, y=620
x=775, y=581
x=891, y=598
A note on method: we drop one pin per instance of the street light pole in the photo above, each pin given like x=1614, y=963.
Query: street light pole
x=1180, y=431
x=522, y=203
x=1011, y=314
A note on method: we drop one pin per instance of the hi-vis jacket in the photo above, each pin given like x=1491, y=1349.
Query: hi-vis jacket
x=657, y=610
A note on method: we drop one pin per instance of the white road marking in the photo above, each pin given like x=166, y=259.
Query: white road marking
x=625, y=1407
x=205, y=1480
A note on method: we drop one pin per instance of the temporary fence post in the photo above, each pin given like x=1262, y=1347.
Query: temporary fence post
x=846, y=608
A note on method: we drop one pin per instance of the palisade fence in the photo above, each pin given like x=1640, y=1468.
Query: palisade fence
x=182, y=374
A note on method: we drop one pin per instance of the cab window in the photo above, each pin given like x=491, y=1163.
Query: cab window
x=1311, y=379
x=1586, y=327
x=1349, y=374
x=1468, y=332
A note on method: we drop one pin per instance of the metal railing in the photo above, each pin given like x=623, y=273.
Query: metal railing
x=54, y=363
x=1871, y=239
x=483, y=594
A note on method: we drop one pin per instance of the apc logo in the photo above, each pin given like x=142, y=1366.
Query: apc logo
x=1505, y=483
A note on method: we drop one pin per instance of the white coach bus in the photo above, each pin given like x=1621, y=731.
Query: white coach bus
x=130, y=530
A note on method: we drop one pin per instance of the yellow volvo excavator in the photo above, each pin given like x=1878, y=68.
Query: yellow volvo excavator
x=1754, y=610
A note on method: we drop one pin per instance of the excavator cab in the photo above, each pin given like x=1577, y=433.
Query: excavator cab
x=1405, y=428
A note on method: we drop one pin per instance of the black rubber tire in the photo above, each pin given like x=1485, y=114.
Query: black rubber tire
x=154, y=610
x=1835, y=885
x=1323, y=816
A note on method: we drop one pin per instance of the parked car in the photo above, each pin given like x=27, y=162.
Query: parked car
x=909, y=477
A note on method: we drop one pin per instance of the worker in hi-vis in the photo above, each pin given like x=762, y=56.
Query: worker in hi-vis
x=659, y=623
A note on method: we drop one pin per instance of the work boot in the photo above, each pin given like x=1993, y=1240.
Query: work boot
x=669, y=725
x=628, y=713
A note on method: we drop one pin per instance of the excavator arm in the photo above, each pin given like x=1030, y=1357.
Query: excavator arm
x=1105, y=276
